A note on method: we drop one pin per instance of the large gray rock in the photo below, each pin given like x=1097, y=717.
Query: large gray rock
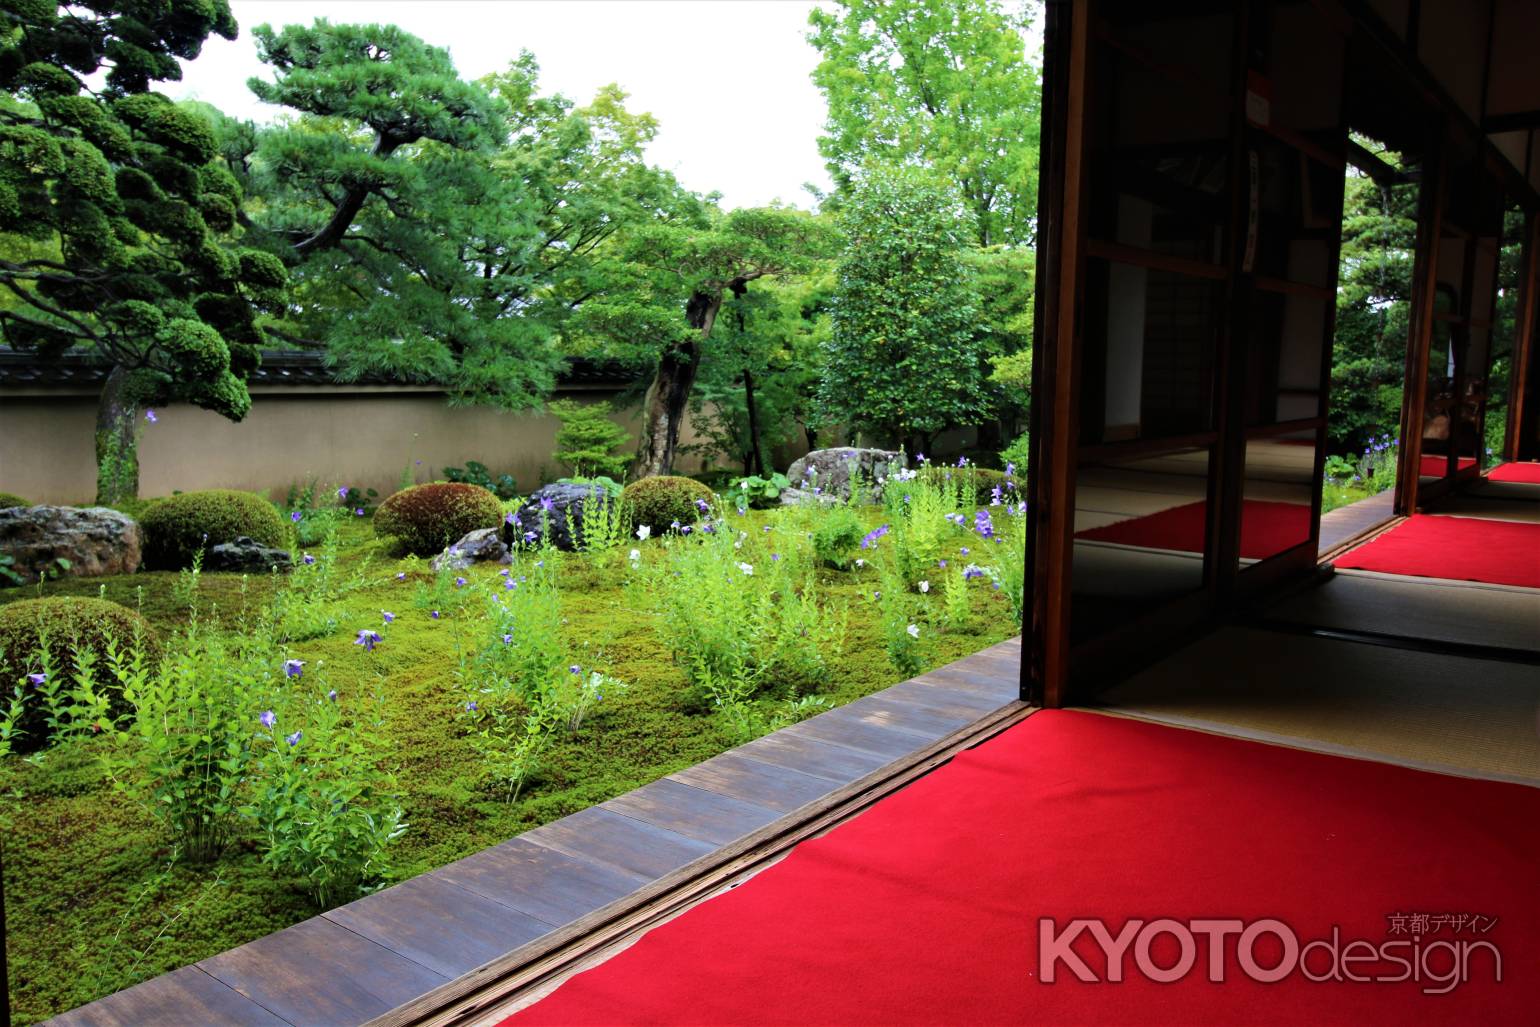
x=828, y=471
x=93, y=540
x=480, y=546
x=246, y=556
x=562, y=507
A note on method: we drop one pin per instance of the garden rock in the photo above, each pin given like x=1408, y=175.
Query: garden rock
x=246, y=555
x=828, y=470
x=792, y=497
x=564, y=516
x=92, y=541
x=480, y=546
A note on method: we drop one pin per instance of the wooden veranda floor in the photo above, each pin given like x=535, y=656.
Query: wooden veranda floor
x=506, y=909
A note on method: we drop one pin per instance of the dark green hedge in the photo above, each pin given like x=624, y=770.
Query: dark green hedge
x=177, y=527
x=660, y=501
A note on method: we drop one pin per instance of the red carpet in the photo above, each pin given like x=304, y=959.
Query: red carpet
x=1266, y=529
x=925, y=909
x=1461, y=548
x=1525, y=472
x=1438, y=466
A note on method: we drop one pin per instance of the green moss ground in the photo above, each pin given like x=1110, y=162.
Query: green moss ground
x=93, y=904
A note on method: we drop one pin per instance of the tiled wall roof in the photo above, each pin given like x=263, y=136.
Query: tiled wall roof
x=279, y=367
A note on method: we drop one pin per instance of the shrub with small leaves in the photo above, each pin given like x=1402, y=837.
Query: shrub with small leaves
x=589, y=442
x=837, y=538
x=179, y=526
x=658, y=502
x=10, y=499
x=425, y=519
x=60, y=637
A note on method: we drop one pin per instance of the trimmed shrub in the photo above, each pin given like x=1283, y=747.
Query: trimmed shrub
x=425, y=519
x=8, y=500
x=177, y=527
x=73, y=624
x=660, y=501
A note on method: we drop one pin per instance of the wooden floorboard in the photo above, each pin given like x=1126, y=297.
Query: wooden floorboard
x=548, y=885
x=1348, y=522
x=692, y=812
x=187, y=997
x=362, y=960
x=604, y=836
x=739, y=777
x=320, y=973
x=438, y=924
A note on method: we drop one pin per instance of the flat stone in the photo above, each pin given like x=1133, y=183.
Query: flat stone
x=484, y=545
x=248, y=556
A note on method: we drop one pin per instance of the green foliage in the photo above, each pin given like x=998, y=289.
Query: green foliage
x=475, y=473
x=837, y=539
x=73, y=842
x=138, y=256
x=425, y=519
x=189, y=746
x=522, y=688
x=759, y=493
x=977, y=485
x=437, y=229
x=10, y=499
x=742, y=615
x=658, y=502
x=64, y=638
x=904, y=359
x=944, y=84
x=1015, y=456
x=326, y=810
x=588, y=441
x=180, y=526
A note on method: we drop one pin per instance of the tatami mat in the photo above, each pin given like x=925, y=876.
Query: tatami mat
x=1507, y=618
x=1489, y=508
x=1477, y=718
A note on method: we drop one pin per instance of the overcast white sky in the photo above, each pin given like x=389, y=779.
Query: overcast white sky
x=728, y=80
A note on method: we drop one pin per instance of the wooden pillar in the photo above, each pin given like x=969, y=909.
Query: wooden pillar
x=1055, y=422
x=1414, y=394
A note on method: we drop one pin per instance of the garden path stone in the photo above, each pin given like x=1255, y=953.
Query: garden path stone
x=94, y=540
x=564, y=515
x=484, y=545
x=829, y=470
x=248, y=556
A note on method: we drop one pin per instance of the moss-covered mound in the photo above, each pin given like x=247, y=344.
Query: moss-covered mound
x=660, y=501
x=72, y=625
x=424, y=519
x=177, y=527
x=10, y=499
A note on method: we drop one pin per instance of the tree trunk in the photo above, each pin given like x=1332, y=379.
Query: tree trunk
x=669, y=392
x=117, y=441
x=748, y=399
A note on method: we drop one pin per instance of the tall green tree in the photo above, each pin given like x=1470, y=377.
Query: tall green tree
x=1379, y=229
x=760, y=374
x=120, y=227
x=942, y=83
x=906, y=356
x=666, y=286
x=439, y=230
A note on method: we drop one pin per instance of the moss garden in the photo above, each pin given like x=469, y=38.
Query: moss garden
x=275, y=745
